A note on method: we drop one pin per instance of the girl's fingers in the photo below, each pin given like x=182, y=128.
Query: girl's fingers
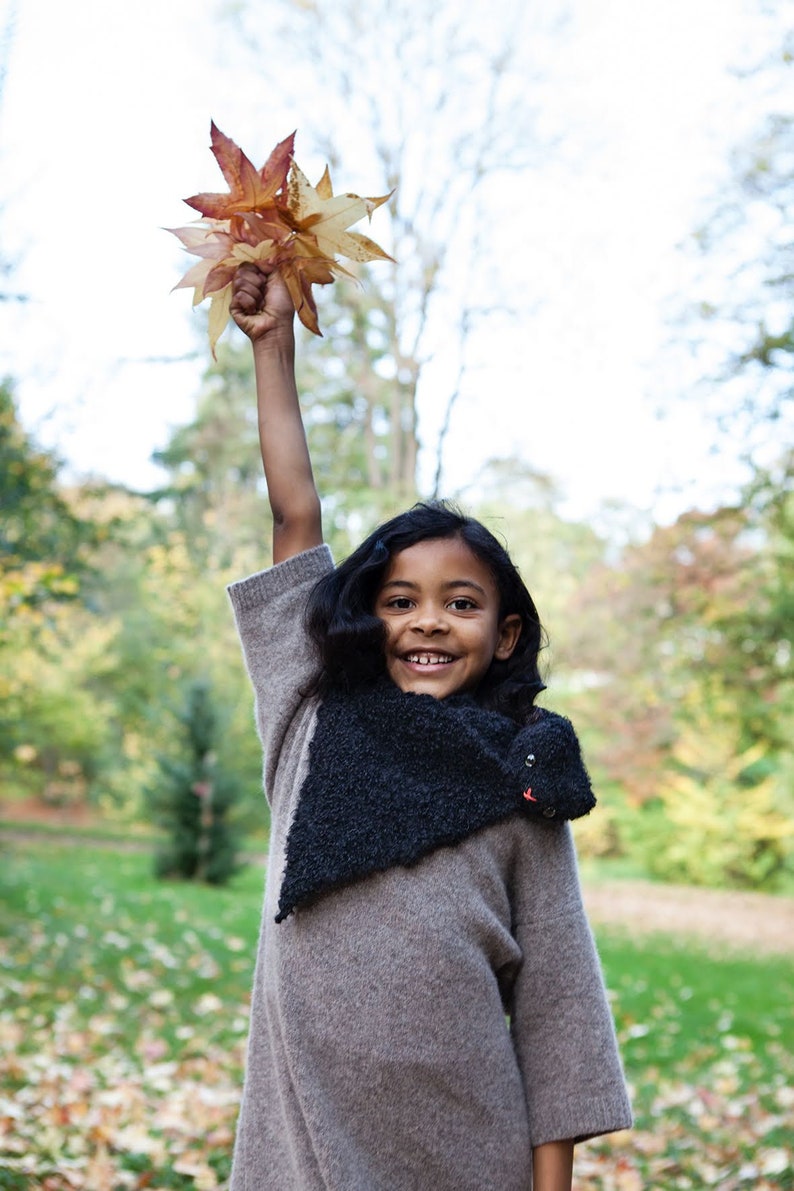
x=248, y=292
x=258, y=290
x=251, y=278
x=243, y=296
x=245, y=303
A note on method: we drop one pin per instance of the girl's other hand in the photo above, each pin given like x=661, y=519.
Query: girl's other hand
x=261, y=304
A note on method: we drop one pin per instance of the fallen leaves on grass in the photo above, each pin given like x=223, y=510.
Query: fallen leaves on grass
x=120, y=1063
x=272, y=216
x=694, y=1135
x=93, y=1117
x=122, y=1051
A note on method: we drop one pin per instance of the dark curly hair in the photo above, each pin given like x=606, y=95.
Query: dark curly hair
x=351, y=639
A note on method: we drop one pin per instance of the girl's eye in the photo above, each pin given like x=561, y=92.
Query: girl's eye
x=401, y=602
x=462, y=604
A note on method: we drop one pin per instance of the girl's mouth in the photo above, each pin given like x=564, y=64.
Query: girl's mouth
x=428, y=659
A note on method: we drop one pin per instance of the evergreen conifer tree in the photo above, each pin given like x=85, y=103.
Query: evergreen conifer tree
x=193, y=799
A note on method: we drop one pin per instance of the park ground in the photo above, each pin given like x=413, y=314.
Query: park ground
x=124, y=1004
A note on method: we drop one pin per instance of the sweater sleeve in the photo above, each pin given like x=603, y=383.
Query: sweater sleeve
x=561, y=1020
x=281, y=660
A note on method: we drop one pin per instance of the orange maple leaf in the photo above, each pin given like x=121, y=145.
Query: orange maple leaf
x=250, y=189
x=274, y=215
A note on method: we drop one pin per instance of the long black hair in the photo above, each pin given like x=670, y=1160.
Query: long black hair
x=351, y=639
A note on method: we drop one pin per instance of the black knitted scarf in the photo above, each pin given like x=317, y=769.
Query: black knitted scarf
x=393, y=776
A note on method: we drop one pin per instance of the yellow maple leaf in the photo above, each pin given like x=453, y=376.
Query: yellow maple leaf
x=274, y=215
x=326, y=216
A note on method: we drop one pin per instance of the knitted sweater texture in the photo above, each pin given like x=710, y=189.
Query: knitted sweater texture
x=422, y=1026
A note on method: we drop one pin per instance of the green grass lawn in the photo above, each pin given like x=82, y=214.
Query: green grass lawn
x=708, y=1044
x=123, y=1015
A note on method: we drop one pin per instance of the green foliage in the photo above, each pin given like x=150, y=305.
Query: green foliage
x=55, y=724
x=41, y=539
x=758, y=633
x=193, y=799
x=55, y=728
x=214, y=497
x=86, y=685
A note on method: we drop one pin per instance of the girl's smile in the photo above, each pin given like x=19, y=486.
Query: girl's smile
x=440, y=605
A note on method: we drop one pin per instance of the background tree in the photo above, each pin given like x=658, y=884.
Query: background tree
x=53, y=725
x=194, y=796
x=646, y=626
x=110, y=605
x=43, y=544
x=215, y=490
x=437, y=103
x=741, y=328
x=554, y=555
x=691, y=688
x=166, y=596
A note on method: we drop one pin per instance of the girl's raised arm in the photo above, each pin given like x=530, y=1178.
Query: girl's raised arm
x=263, y=309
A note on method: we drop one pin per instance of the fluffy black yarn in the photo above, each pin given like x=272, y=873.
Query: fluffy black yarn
x=393, y=776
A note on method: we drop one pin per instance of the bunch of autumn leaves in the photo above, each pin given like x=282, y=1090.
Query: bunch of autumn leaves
x=275, y=216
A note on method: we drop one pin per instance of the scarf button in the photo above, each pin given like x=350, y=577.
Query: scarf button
x=530, y=760
x=549, y=812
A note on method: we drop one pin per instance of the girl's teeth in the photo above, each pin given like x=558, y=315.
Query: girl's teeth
x=424, y=659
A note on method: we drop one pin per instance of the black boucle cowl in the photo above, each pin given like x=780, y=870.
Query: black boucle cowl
x=393, y=776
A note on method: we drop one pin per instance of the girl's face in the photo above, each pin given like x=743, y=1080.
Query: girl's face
x=440, y=606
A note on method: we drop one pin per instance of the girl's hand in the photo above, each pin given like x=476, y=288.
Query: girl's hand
x=261, y=304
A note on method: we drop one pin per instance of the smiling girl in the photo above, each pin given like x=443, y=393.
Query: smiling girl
x=428, y=1008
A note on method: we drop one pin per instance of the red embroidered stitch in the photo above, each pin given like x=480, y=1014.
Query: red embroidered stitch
x=528, y=795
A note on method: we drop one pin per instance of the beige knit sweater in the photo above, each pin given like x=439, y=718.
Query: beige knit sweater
x=422, y=1028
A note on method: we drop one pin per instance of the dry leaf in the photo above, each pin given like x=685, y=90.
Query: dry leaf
x=321, y=214
x=272, y=215
x=250, y=189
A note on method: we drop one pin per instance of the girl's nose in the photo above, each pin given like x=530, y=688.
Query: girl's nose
x=429, y=619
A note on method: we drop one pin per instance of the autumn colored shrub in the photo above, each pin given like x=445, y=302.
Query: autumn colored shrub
x=721, y=818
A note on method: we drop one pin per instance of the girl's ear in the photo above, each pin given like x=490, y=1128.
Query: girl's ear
x=509, y=632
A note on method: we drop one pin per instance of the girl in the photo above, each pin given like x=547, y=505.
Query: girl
x=428, y=1009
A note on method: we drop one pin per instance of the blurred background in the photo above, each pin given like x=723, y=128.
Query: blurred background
x=586, y=340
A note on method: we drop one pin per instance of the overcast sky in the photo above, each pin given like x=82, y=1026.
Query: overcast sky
x=104, y=129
